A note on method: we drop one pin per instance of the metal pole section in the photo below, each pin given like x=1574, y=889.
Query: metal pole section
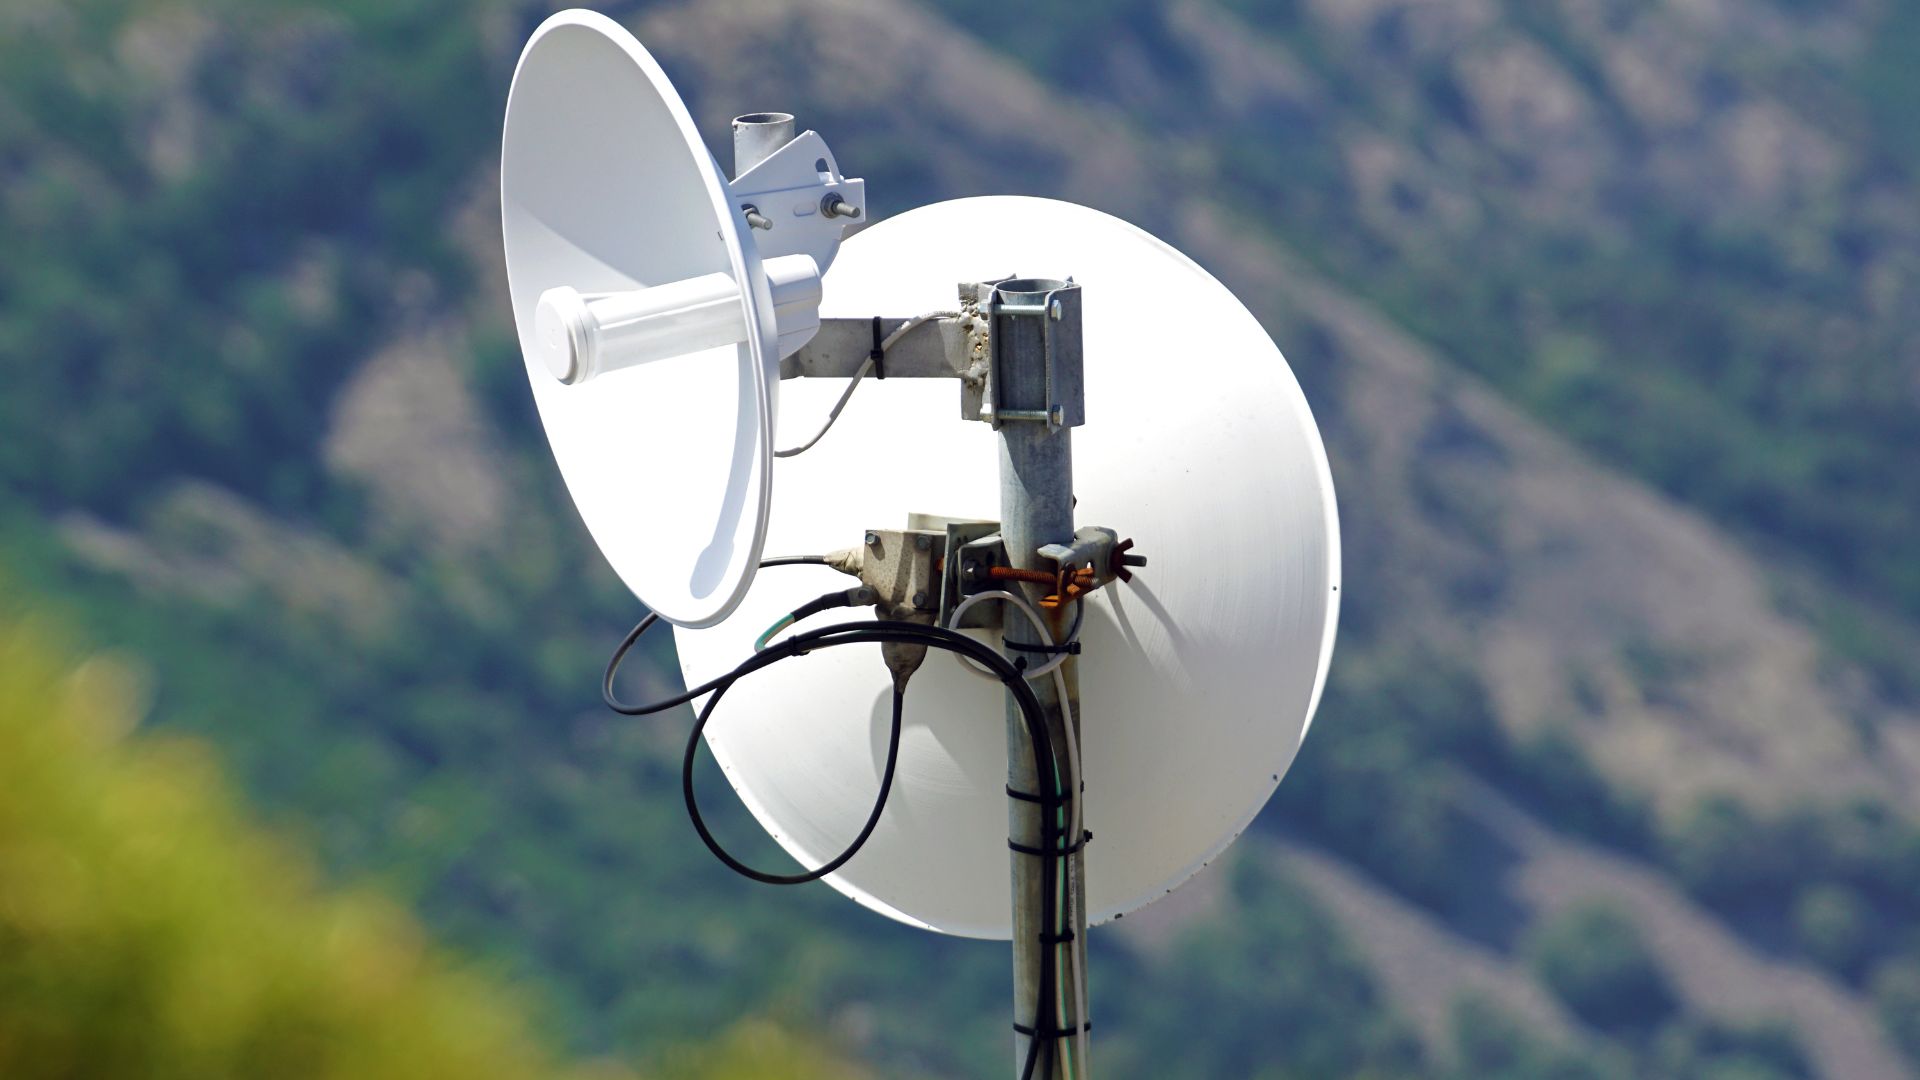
x=1033, y=353
x=756, y=136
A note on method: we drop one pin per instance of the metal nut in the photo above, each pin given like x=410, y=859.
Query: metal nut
x=873, y=540
x=922, y=543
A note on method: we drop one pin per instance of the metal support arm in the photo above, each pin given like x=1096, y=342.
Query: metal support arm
x=936, y=349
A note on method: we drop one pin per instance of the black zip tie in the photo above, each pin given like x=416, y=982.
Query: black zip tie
x=878, y=355
x=1026, y=797
x=1072, y=647
x=1052, y=1032
x=1056, y=939
x=1068, y=850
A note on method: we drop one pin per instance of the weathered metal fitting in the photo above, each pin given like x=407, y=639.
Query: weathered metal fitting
x=901, y=567
x=1028, y=317
x=972, y=550
x=976, y=383
x=1096, y=556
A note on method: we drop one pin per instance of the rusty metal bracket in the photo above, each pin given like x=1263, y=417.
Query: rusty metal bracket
x=1096, y=557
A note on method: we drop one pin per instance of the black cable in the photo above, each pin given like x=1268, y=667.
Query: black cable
x=849, y=634
x=794, y=560
x=828, y=867
x=1051, y=798
x=613, y=668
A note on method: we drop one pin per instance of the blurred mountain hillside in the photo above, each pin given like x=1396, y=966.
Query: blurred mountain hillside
x=1608, y=312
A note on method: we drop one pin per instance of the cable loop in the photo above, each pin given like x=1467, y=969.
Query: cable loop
x=1014, y=678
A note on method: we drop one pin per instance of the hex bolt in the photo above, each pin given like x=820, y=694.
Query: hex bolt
x=920, y=599
x=922, y=543
x=833, y=205
x=873, y=540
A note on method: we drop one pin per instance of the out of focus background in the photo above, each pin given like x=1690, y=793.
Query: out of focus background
x=1609, y=312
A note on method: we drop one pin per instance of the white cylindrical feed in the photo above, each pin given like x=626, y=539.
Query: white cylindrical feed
x=581, y=337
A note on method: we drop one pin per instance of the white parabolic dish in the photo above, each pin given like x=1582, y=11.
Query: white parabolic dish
x=605, y=187
x=1199, y=678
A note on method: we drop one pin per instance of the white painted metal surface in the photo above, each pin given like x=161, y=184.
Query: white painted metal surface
x=1198, y=679
x=790, y=187
x=607, y=188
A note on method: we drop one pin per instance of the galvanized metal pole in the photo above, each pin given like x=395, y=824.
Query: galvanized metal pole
x=1036, y=366
x=757, y=135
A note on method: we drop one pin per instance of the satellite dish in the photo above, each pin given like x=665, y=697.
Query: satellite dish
x=1198, y=678
x=651, y=325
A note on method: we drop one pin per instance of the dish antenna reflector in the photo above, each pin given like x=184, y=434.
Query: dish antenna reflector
x=627, y=249
x=1197, y=679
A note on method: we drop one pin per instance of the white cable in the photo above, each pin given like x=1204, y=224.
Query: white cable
x=1075, y=914
x=953, y=623
x=885, y=344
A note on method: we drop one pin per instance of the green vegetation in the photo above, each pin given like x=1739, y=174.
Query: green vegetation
x=1304, y=1004
x=1400, y=729
x=1373, y=786
x=186, y=306
x=1896, y=990
x=146, y=929
x=1840, y=879
x=1492, y=1045
x=1710, y=1051
x=755, y=1051
x=1593, y=957
x=1836, y=928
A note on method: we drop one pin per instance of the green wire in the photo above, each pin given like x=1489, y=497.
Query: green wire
x=785, y=621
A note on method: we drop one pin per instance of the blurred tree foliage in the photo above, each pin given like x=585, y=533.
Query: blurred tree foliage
x=189, y=293
x=1301, y=1002
x=1692, y=1049
x=1374, y=786
x=1400, y=728
x=1839, y=878
x=1896, y=991
x=1593, y=957
x=1490, y=1044
x=148, y=929
x=755, y=1050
